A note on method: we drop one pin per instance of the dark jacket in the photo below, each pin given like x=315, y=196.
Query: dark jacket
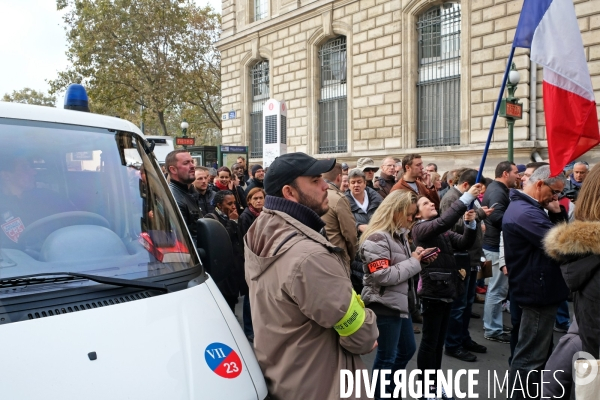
x=252, y=183
x=534, y=278
x=188, y=205
x=475, y=251
x=240, y=198
x=205, y=201
x=436, y=233
x=384, y=184
x=431, y=194
x=235, y=284
x=360, y=216
x=245, y=221
x=577, y=247
x=496, y=192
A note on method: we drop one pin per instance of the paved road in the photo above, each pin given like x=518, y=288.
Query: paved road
x=496, y=358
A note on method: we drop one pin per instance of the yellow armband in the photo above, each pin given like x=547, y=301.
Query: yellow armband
x=354, y=318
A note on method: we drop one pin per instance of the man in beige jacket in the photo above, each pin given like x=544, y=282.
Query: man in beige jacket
x=308, y=322
x=340, y=225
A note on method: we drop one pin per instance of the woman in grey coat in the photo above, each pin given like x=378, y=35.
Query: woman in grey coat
x=388, y=264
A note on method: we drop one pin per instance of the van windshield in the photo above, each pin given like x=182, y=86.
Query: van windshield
x=87, y=200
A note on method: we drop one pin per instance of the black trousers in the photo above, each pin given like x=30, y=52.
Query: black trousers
x=436, y=314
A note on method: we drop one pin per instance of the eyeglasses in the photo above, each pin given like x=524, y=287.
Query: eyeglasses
x=554, y=192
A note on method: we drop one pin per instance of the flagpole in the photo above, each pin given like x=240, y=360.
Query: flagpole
x=491, y=132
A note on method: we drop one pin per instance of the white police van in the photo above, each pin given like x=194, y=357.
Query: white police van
x=102, y=293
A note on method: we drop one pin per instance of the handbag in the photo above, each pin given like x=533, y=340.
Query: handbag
x=486, y=270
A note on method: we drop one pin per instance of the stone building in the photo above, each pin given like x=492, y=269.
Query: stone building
x=386, y=77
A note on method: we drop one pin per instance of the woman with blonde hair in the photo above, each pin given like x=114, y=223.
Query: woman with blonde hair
x=577, y=246
x=389, y=264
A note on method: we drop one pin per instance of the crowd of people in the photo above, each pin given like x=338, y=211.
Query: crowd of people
x=338, y=261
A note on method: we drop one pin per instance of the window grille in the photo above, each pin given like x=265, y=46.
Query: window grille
x=438, y=86
x=332, y=104
x=261, y=9
x=259, y=75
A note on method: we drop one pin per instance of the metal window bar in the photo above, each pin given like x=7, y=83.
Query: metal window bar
x=261, y=9
x=439, y=76
x=259, y=75
x=332, y=103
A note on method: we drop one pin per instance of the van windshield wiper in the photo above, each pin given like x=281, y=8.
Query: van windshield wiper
x=59, y=277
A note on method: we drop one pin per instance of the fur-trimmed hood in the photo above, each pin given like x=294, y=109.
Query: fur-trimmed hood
x=574, y=239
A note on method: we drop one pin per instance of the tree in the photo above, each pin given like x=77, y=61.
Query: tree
x=137, y=58
x=30, y=96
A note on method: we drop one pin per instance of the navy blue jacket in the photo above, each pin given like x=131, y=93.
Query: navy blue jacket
x=534, y=278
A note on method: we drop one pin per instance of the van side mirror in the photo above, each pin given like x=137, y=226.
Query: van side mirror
x=214, y=248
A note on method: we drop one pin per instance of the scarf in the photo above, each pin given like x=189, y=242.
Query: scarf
x=254, y=211
x=220, y=185
x=295, y=210
x=574, y=182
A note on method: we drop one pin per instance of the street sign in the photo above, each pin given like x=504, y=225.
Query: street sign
x=187, y=141
x=234, y=149
x=232, y=114
x=510, y=110
x=224, y=116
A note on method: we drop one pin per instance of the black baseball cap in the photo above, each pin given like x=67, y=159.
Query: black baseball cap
x=290, y=166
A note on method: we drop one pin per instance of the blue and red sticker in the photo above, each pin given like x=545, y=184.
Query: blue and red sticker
x=223, y=360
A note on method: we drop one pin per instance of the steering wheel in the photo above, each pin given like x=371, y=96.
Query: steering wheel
x=34, y=235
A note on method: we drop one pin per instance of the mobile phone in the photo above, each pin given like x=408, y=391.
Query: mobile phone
x=431, y=254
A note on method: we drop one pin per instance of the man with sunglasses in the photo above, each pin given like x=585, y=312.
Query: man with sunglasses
x=535, y=280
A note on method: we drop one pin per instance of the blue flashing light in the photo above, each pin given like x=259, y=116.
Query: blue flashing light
x=76, y=98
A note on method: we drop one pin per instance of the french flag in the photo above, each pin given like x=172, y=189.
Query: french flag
x=549, y=28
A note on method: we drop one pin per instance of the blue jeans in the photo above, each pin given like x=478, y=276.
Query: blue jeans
x=460, y=316
x=531, y=353
x=247, y=317
x=562, y=315
x=396, y=346
x=496, y=293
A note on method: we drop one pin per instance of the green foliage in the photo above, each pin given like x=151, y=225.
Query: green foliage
x=148, y=61
x=30, y=96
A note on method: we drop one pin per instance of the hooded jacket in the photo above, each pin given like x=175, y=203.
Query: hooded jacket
x=300, y=290
x=577, y=247
x=534, y=278
x=388, y=266
x=436, y=233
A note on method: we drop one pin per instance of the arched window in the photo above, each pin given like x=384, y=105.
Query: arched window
x=332, y=100
x=439, y=76
x=259, y=78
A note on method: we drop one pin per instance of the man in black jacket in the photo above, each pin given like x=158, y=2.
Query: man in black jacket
x=203, y=193
x=458, y=341
x=182, y=172
x=258, y=174
x=496, y=197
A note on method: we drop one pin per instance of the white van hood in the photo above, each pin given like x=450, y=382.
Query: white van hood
x=146, y=349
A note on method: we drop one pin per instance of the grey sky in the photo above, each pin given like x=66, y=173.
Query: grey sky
x=33, y=45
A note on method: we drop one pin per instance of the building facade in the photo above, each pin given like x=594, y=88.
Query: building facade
x=370, y=78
